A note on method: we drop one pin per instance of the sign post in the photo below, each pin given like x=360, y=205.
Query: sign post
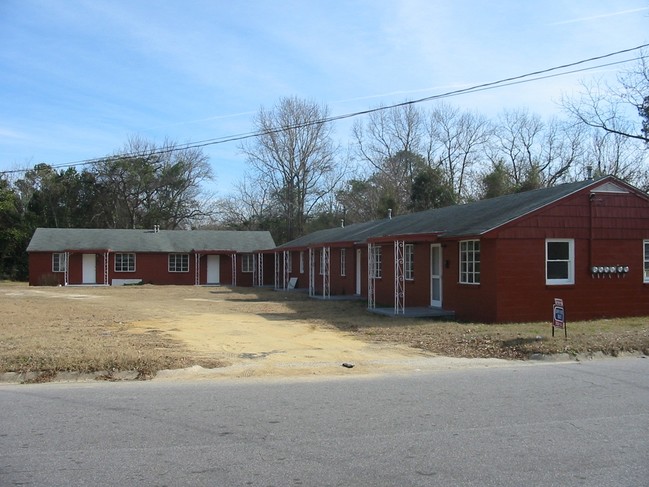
x=559, y=316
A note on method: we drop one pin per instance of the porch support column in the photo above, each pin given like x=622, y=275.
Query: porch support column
x=399, y=278
x=371, y=285
x=285, y=274
x=106, y=267
x=197, y=269
x=277, y=273
x=311, y=272
x=259, y=274
x=326, y=272
x=66, y=269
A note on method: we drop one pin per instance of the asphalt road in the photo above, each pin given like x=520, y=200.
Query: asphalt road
x=548, y=424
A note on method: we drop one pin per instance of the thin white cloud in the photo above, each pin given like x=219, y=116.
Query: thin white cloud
x=206, y=119
x=601, y=16
x=6, y=133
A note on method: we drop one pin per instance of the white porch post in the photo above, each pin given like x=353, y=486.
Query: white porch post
x=258, y=270
x=371, y=287
x=311, y=272
x=277, y=271
x=399, y=281
x=326, y=272
x=197, y=269
x=285, y=274
x=66, y=269
x=106, y=267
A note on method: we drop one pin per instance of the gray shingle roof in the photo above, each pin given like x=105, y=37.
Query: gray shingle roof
x=120, y=240
x=471, y=219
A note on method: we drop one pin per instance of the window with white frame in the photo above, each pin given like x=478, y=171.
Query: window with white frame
x=409, y=262
x=646, y=261
x=376, y=258
x=289, y=256
x=247, y=262
x=559, y=261
x=178, y=262
x=125, y=262
x=470, y=262
x=302, y=262
x=343, y=262
x=58, y=262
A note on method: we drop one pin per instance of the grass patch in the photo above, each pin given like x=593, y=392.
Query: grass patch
x=518, y=340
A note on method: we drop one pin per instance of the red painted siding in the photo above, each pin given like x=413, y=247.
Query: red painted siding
x=608, y=229
x=151, y=268
x=471, y=302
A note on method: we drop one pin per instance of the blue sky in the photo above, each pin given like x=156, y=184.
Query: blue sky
x=78, y=78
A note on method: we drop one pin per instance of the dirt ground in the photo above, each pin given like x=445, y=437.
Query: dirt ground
x=171, y=332
x=247, y=333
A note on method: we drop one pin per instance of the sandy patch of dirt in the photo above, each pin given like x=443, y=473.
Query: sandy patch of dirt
x=187, y=331
x=258, y=345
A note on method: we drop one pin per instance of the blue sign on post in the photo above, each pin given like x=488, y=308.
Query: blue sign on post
x=559, y=316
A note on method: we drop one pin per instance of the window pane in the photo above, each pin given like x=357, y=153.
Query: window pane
x=558, y=250
x=557, y=270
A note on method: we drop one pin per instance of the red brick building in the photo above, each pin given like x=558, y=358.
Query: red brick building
x=499, y=260
x=69, y=256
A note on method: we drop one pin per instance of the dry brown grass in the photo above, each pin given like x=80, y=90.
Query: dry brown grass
x=49, y=330
x=50, y=335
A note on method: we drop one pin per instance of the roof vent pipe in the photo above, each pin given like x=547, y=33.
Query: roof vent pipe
x=342, y=223
x=390, y=213
x=589, y=172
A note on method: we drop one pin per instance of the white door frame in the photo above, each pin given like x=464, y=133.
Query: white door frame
x=213, y=269
x=89, y=269
x=436, y=303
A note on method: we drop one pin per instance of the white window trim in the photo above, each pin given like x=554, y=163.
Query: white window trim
x=247, y=261
x=571, y=262
x=409, y=262
x=302, y=262
x=61, y=261
x=125, y=253
x=343, y=262
x=645, y=254
x=474, y=261
x=289, y=256
x=175, y=257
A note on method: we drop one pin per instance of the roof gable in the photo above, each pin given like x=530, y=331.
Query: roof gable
x=609, y=187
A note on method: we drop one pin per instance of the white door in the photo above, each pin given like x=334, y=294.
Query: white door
x=213, y=269
x=436, y=275
x=358, y=271
x=89, y=269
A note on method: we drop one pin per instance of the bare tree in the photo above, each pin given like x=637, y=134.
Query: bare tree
x=617, y=155
x=614, y=108
x=293, y=157
x=514, y=143
x=386, y=133
x=144, y=184
x=458, y=141
x=249, y=207
x=535, y=153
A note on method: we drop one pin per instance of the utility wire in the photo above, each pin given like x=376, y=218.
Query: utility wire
x=523, y=78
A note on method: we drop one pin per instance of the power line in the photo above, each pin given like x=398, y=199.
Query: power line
x=523, y=78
